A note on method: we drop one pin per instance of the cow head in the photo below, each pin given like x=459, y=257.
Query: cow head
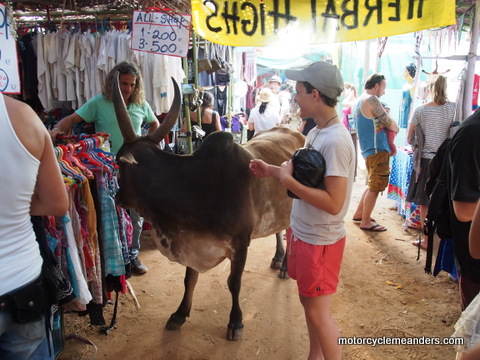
x=125, y=124
x=130, y=153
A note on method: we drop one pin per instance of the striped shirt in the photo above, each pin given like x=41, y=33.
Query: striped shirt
x=435, y=122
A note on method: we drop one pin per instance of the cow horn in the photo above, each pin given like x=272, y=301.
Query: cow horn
x=123, y=118
x=169, y=121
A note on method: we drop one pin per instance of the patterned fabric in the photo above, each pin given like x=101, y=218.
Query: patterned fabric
x=126, y=232
x=402, y=166
x=112, y=247
x=405, y=109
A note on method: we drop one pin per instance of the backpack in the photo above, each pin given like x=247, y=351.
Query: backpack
x=439, y=211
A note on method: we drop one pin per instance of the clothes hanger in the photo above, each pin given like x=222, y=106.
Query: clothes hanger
x=69, y=152
x=90, y=156
x=67, y=170
x=435, y=72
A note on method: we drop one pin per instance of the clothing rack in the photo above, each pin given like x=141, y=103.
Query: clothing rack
x=91, y=240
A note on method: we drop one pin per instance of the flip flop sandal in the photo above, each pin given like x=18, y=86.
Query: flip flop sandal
x=360, y=219
x=375, y=228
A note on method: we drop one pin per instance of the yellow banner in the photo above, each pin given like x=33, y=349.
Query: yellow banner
x=284, y=22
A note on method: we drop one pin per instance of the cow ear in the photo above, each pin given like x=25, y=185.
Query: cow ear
x=123, y=119
x=171, y=118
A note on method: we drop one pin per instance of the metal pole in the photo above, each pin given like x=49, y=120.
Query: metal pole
x=187, y=110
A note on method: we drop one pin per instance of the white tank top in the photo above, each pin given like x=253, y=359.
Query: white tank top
x=20, y=259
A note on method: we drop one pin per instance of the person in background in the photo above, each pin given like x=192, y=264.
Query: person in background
x=263, y=116
x=100, y=111
x=275, y=84
x=31, y=185
x=464, y=191
x=434, y=119
x=210, y=118
x=371, y=121
x=316, y=240
x=285, y=99
x=350, y=98
x=306, y=125
x=474, y=249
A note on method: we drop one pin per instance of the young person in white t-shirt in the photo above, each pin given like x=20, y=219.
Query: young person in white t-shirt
x=316, y=240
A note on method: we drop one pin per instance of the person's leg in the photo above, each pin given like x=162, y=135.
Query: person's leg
x=322, y=330
x=317, y=279
x=359, y=212
x=423, y=215
x=369, y=201
x=137, y=223
x=23, y=341
x=378, y=174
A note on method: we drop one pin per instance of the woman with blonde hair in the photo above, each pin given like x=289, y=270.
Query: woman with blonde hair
x=431, y=123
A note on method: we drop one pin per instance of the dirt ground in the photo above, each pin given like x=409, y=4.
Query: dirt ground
x=383, y=291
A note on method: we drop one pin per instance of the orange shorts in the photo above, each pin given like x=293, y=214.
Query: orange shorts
x=378, y=168
x=316, y=268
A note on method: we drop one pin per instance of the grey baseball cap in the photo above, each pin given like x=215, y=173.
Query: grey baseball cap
x=325, y=77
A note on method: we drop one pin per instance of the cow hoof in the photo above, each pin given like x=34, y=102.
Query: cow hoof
x=276, y=264
x=282, y=274
x=175, y=322
x=234, y=334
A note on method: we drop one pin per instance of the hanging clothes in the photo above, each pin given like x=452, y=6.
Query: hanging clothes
x=72, y=67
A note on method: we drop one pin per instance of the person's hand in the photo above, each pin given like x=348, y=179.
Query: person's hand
x=286, y=172
x=54, y=132
x=258, y=168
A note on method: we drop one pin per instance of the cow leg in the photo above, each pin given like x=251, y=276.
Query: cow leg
x=178, y=317
x=282, y=274
x=235, y=326
x=279, y=253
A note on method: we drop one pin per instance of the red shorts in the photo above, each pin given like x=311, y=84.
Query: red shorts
x=315, y=267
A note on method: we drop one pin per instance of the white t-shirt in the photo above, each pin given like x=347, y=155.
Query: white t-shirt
x=309, y=223
x=269, y=119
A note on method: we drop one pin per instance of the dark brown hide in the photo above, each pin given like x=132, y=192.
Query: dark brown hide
x=206, y=207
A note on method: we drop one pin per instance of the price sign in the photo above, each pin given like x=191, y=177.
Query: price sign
x=9, y=78
x=161, y=33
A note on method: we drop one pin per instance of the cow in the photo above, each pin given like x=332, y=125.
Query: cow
x=206, y=206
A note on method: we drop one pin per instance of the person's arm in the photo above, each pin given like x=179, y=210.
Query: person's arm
x=330, y=200
x=474, y=237
x=378, y=111
x=152, y=126
x=411, y=133
x=65, y=125
x=150, y=118
x=218, y=125
x=50, y=196
x=349, y=102
x=464, y=210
